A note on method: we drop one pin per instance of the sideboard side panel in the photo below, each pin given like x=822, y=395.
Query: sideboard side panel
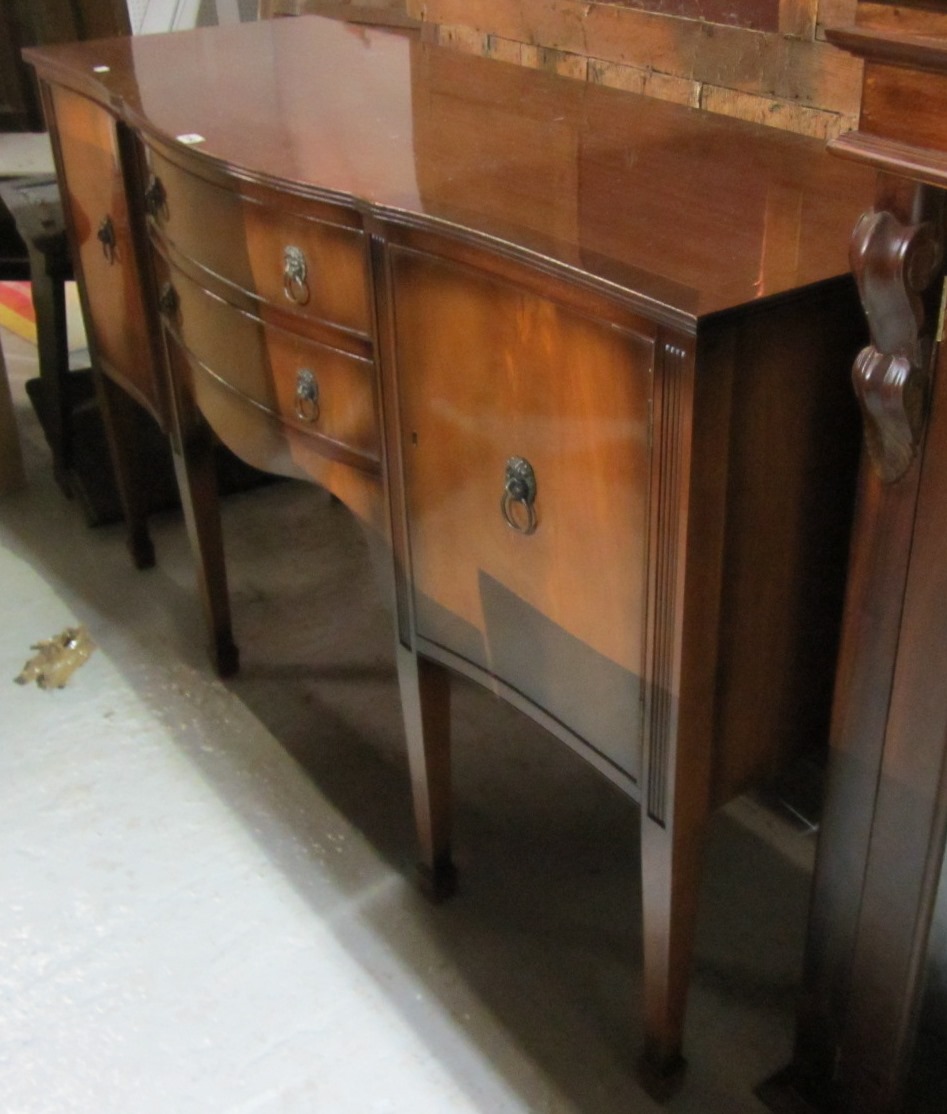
x=793, y=462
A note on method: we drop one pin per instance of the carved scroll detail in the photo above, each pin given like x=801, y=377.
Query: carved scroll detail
x=894, y=264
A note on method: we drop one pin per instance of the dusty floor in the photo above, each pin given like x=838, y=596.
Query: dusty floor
x=207, y=893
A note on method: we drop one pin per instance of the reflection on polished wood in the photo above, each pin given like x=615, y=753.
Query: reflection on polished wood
x=579, y=358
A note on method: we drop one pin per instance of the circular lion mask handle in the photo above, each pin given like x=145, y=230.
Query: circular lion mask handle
x=295, y=275
x=307, y=396
x=519, y=490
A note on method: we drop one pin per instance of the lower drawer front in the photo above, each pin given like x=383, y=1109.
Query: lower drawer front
x=320, y=391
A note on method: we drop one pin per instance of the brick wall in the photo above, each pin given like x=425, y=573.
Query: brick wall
x=761, y=60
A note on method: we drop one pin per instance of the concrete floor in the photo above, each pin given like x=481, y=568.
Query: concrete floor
x=207, y=895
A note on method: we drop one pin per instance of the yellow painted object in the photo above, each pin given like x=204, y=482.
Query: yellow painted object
x=16, y=310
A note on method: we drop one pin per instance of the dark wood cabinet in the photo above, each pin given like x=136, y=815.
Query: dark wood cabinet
x=578, y=358
x=19, y=104
x=25, y=23
x=873, y=1019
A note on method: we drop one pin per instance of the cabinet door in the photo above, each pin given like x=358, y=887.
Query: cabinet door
x=98, y=210
x=489, y=370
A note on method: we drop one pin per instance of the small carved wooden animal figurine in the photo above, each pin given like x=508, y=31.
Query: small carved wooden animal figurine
x=57, y=659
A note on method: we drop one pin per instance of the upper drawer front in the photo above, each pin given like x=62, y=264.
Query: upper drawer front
x=311, y=260
x=320, y=391
x=99, y=219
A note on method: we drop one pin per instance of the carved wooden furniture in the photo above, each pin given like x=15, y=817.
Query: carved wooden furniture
x=579, y=358
x=35, y=206
x=873, y=1022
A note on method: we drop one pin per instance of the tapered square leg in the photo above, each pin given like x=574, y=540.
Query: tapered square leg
x=425, y=697
x=670, y=864
x=118, y=417
x=196, y=471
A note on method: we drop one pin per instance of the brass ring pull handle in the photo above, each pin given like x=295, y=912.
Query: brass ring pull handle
x=168, y=300
x=106, y=237
x=307, y=396
x=156, y=200
x=295, y=276
x=519, y=489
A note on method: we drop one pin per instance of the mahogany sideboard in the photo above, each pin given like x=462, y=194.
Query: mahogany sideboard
x=578, y=357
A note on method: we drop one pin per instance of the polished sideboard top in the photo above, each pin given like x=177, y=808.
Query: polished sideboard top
x=690, y=213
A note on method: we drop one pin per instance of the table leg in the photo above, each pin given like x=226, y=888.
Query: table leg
x=118, y=418
x=49, y=302
x=425, y=697
x=196, y=470
x=671, y=857
x=11, y=457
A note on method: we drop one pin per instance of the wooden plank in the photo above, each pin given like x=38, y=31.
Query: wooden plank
x=798, y=18
x=775, y=114
x=758, y=15
x=668, y=45
x=667, y=87
x=504, y=50
x=787, y=115
x=458, y=37
x=557, y=61
x=914, y=20
x=616, y=76
x=835, y=13
x=818, y=75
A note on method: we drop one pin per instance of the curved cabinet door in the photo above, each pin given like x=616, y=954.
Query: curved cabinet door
x=542, y=589
x=98, y=212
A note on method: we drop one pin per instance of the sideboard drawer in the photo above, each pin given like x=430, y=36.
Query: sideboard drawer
x=551, y=600
x=320, y=391
x=312, y=260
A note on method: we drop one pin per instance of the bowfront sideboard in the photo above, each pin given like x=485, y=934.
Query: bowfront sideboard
x=580, y=359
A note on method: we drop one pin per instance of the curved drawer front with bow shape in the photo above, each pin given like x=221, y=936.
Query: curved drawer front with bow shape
x=298, y=255
x=525, y=427
x=316, y=389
